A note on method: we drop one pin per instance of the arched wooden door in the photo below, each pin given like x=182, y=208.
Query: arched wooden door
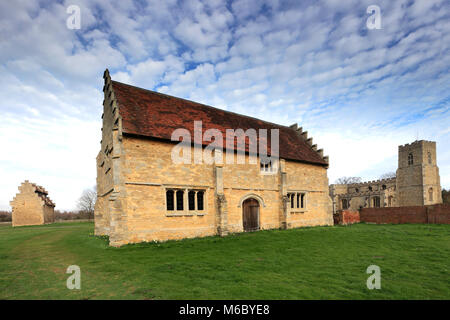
x=250, y=215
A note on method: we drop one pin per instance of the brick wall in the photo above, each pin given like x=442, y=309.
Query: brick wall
x=439, y=214
x=346, y=217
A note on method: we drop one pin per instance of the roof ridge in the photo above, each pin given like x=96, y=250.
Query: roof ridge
x=204, y=105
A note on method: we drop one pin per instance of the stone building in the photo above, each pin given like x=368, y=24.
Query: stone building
x=143, y=195
x=417, y=183
x=32, y=206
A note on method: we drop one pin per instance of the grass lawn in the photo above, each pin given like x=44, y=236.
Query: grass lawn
x=305, y=263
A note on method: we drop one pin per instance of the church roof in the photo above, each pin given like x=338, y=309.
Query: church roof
x=156, y=115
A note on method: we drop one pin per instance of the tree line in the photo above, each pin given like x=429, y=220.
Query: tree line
x=86, y=202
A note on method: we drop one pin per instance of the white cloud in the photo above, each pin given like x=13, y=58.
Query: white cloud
x=52, y=154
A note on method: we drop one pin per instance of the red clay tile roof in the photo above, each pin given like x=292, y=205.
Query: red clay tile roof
x=152, y=114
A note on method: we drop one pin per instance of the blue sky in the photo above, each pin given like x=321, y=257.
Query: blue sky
x=360, y=93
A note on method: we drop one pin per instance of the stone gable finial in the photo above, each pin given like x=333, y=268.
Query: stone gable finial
x=106, y=74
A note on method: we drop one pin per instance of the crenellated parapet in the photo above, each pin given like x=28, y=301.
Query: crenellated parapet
x=417, y=143
x=367, y=188
x=373, y=182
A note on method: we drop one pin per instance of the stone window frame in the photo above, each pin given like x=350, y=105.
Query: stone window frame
x=430, y=194
x=297, y=201
x=430, y=160
x=390, y=201
x=347, y=203
x=410, y=159
x=186, y=211
x=373, y=202
x=268, y=168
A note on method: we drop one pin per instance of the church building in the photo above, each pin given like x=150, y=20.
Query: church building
x=416, y=183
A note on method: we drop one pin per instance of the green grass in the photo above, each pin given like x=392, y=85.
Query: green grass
x=305, y=263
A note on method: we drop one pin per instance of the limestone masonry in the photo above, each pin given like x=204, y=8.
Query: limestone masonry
x=144, y=196
x=417, y=183
x=32, y=206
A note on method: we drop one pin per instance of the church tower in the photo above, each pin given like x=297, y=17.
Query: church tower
x=418, y=181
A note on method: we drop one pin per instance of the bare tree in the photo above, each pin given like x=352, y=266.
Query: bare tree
x=446, y=196
x=348, y=180
x=86, y=202
x=6, y=216
x=388, y=175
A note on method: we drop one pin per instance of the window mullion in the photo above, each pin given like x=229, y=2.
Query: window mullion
x=186, y=201
x=195, y=201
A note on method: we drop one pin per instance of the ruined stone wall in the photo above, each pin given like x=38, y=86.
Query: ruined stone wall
x=361, y=195
x=358, y=201
x=49, y=214
x=335, y=190
x=28, y=208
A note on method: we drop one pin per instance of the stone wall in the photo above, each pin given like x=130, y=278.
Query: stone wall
x=148, y=171
x=417, y=174
x=361, y=195
x=108, y=164
x=28, y=208
x=49, y=214
x=313, y=181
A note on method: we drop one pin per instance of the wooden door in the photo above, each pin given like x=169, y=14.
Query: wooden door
x=250, y=215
